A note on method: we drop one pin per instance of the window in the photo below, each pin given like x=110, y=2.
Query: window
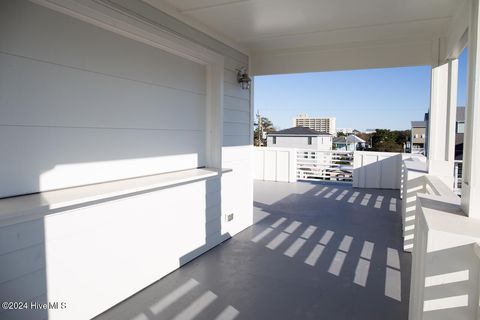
x=460, y=127
x=415, y=136
x=309, y=140
x=274, y=140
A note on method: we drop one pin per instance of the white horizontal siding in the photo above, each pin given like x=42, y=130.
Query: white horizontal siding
x=24, y=288
x=234, y=64
x=238, y=104
x=235, y=91
x=83, y=105
x=236, y=116
x=38, y=93
x=236, y=128
x=73, y=43
x=237, y=186
x=116, y=124
x=20, y=236
x=46, y=158
x=22, y=262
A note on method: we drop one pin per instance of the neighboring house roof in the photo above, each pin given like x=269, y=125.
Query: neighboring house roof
x=419, y=124
x=340, y=140
x=354, y=139
x=460, y=114
x=298, y=131
x=350, y=139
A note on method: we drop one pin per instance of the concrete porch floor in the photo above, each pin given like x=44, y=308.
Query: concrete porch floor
x=316, y=251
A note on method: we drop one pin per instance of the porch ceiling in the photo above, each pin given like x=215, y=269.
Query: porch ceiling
x=280, y=26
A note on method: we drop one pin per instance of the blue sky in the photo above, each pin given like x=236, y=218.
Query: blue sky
x=359, y=99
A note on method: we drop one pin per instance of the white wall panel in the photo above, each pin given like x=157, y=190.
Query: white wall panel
x=67, y=97
x=46, y=158
x=234, y=90
x=83, y=105
x=90, y=106
x=381, y=170
x=73, y=43
x=275, y=164
x=92, y=252
x=230, y=115
x=237, y=151
x=233, y=103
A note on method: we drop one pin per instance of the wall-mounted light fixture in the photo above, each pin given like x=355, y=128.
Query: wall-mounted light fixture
x=243, y=78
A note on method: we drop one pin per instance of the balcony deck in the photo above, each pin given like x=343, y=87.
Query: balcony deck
x=316, y=251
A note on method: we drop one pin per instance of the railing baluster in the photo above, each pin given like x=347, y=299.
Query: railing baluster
x=325, y=165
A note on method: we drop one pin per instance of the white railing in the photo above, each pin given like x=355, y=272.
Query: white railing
x=325, y=165
x=275, y=164
x=378, y=170
x=445, y=269
x=364, y=169
x=418, y=151
x=457, y=177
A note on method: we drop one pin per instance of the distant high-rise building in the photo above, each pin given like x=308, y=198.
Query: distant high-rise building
x=316, y=123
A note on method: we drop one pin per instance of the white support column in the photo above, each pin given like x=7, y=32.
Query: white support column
x=471, y=149
x=441, y=126
x=451, y=110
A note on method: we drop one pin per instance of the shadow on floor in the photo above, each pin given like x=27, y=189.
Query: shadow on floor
x=317, y=251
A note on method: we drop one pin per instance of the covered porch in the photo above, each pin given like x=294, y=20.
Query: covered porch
x=128, y=155
x=316, y=251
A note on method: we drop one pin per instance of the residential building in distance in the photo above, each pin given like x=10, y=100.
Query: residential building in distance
x=326, y=124
x=348, y=143
x=301, y=138
x=419, y=136
x=459, y=131
x=369, y=131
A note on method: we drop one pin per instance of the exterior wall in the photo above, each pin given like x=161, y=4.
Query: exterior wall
x=318, y=143
x=95, y=256
x=419, y=135
x=89, y=115
x=237, y=152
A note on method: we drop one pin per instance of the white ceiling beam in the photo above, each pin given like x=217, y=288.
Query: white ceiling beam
x=356, y=56
x=457, y=37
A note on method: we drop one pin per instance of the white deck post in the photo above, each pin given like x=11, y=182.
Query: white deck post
x=441, y=126
x=471, y=150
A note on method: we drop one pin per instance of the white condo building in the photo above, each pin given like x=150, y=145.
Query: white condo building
x=326, y=124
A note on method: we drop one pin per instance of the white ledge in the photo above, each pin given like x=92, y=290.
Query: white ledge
x=415, y=164
x=442, y=213
x=32, y=206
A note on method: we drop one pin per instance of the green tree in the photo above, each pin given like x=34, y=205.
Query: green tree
x=386, y=140
x=402, y=136
x=388, y=146
x=267, y=127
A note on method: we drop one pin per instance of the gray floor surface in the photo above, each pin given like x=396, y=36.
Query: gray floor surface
x=316, y=251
